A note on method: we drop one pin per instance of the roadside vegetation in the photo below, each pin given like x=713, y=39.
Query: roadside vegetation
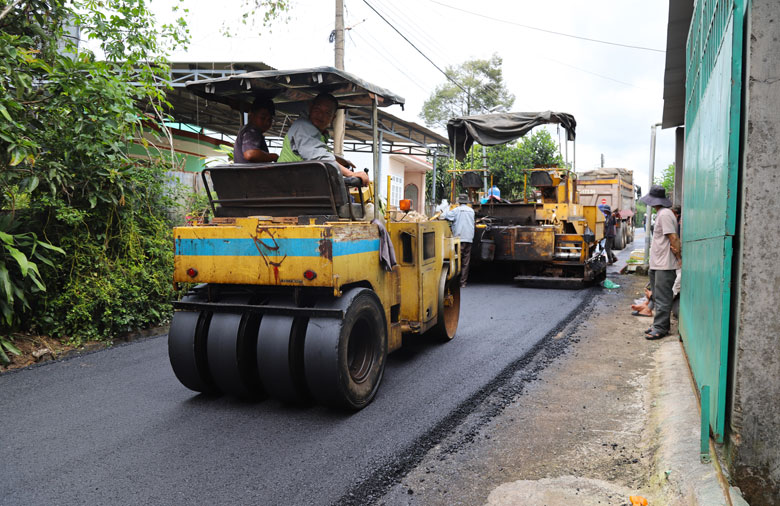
x=86, y=246
x=85, y=237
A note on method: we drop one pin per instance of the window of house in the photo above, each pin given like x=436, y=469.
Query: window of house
x=396, y=189
x=411, y=192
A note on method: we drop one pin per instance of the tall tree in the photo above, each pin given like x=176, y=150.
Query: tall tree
x=480, y=89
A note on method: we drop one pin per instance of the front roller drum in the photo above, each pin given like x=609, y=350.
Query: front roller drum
x=187, y=348
x=344, y=360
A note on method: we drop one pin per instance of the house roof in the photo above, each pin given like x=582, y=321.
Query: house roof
x=416, y=163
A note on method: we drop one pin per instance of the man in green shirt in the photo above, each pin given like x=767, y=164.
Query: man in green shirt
x=307, y=137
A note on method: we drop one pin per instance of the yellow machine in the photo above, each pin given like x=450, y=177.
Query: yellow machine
x=553, y=236
x=295, y=296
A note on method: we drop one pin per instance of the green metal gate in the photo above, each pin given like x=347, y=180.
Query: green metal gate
x=712, y=126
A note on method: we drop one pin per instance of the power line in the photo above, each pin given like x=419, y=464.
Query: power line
x=422, y=35
x=545, y=30
x=594, y=74
x=389, y=60
x=415, y=47
x=449, y=78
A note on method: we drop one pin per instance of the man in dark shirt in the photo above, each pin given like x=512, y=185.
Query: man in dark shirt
x=609, y=233
x=250, y=143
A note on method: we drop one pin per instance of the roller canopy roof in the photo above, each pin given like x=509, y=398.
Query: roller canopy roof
x=292, y=90
x=494, y=129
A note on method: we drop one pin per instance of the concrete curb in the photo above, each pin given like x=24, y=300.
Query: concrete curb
x=682, y=478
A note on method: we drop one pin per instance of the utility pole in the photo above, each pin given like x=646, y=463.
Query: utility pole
x=338, y=122
x=648, y=209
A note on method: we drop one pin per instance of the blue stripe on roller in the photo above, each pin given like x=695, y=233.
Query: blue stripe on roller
x=268, y=247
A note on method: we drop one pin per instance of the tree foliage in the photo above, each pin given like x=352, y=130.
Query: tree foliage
x=481, y=90
x=667, y=179
x=507, y=164
x=72, y=201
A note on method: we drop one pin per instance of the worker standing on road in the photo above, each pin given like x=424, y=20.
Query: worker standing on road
x=609, y=233
x=665, y=259
x=462, y=218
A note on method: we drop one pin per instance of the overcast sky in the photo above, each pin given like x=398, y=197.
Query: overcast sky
x=614, y=92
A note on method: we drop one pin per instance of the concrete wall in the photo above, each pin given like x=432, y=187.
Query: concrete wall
x=754, y=443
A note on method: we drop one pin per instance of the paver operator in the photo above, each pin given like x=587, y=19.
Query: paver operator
x=307, y=137
x=462, y=218
x=665, y=259
x=250, y=145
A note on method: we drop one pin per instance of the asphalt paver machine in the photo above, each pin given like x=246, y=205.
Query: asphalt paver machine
x=549, y=239
x=289, y=295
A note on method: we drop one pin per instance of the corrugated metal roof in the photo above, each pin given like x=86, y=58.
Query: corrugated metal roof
x=237, y=84
x=680, y=13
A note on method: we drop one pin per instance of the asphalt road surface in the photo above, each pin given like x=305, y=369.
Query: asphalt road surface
x=116, y=427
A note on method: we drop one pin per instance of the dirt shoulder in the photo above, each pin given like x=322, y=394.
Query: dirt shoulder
x=36, y=349
x=580, y=424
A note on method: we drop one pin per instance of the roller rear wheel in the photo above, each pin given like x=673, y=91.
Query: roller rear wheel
x=448, y=308
x=280, y=356
x=187, y=348
x=344, y=360
x=232, y=339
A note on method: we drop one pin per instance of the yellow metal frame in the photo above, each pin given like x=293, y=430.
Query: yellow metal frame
x=259, y=251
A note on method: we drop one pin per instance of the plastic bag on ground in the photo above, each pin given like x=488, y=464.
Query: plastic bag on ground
x=607, y=283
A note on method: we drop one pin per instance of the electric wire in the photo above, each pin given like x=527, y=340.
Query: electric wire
x=487, y=85
x=384, y=54
x=392, y=63
x=408, y=24
x=449, y=78
x=477, y=102
x=553, y=32
x=595, y=74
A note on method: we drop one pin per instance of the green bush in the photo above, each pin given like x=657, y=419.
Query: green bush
x=68, y=187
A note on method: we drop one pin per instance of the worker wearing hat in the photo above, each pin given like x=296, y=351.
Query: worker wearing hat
x=462, y=218
x=665, y=259
x=609, y=232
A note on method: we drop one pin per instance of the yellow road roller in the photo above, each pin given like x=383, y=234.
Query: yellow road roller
x=293, y=293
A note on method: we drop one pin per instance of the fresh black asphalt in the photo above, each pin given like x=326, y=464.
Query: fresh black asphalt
x=116, y=427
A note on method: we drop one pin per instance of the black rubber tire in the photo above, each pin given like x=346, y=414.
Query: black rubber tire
x=279, y=354
x=448, y=313
x=344, y=360
x=620, y=236
x=187, y=348
x=231, y=351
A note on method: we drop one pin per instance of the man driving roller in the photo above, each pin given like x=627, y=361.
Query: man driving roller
x=307, y=137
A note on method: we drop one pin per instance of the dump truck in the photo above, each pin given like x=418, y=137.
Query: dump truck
x=290, y=290
x=615, y=188
x=552, y=239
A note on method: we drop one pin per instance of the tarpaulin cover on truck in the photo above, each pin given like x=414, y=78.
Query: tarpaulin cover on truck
x=494, y=129
x=605, y=173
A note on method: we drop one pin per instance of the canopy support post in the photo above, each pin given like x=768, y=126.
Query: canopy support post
x=377, y=154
